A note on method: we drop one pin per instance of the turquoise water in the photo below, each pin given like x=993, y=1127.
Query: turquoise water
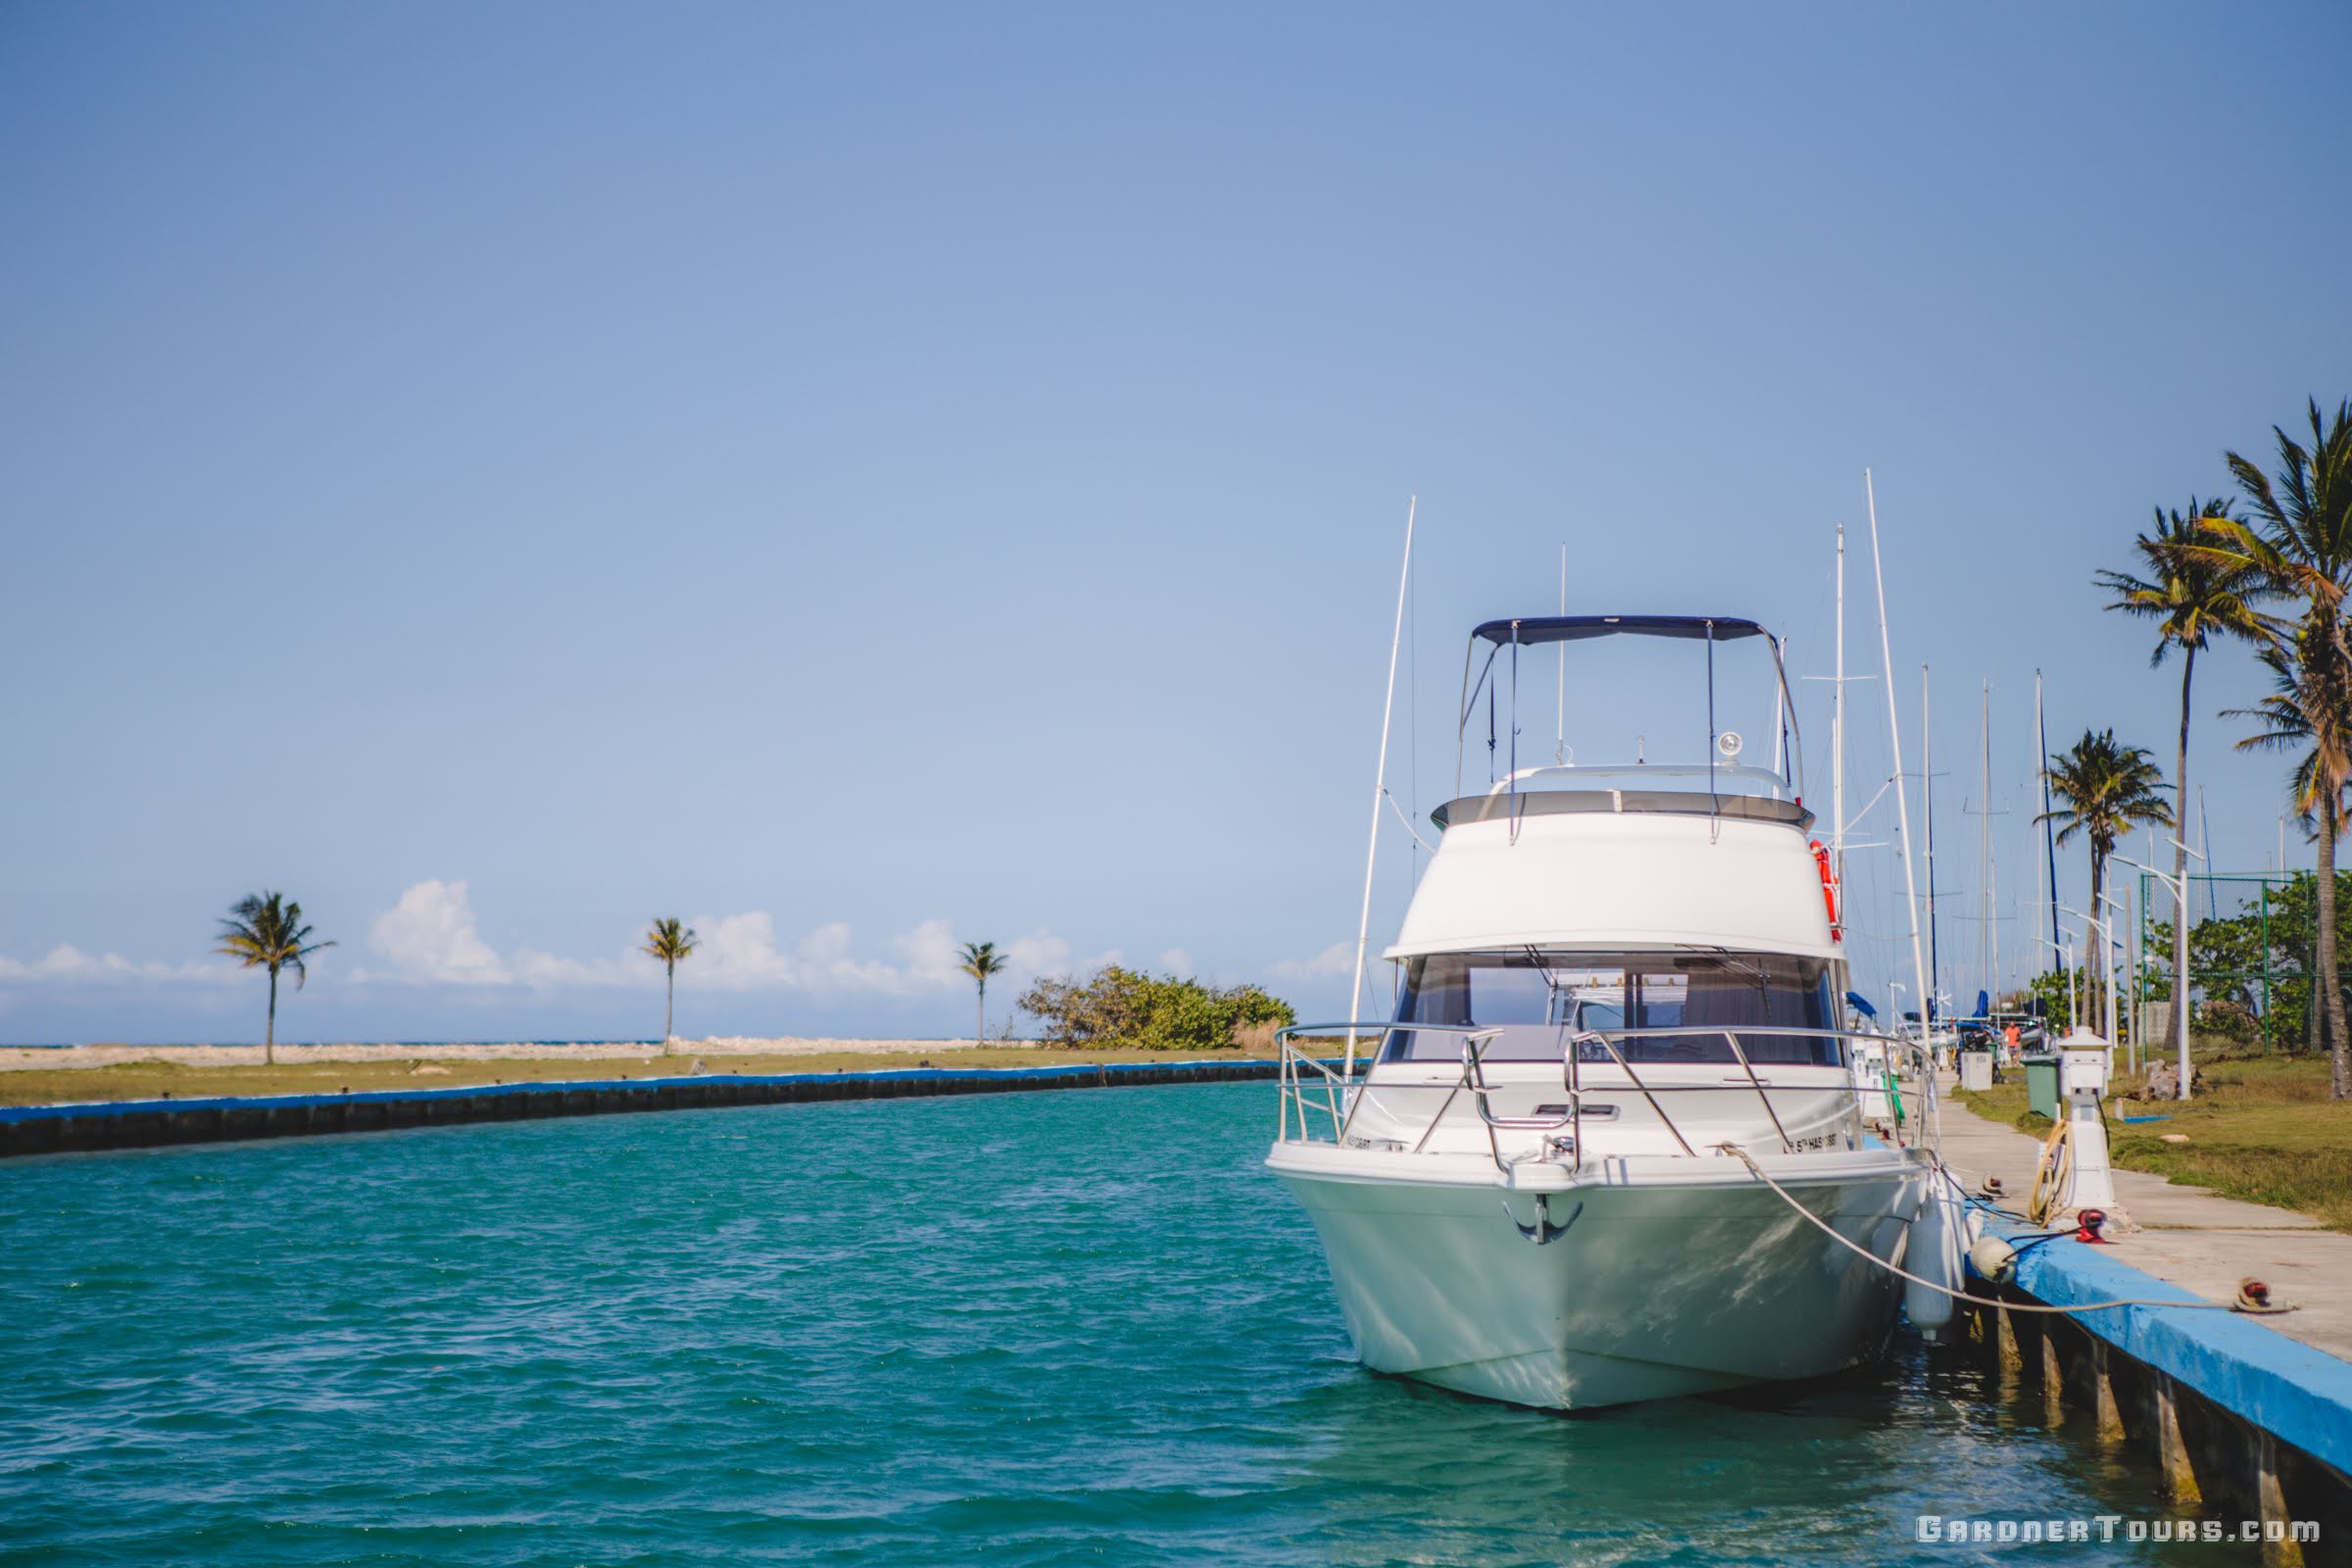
x=1021, y=1329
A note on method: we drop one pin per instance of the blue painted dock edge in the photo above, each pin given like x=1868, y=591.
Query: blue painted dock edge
x=2281, y=1385
x=145, y=1123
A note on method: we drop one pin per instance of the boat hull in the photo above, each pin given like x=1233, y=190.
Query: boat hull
x=1652, y=1291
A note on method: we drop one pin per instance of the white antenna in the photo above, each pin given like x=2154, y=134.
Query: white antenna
x=1559, y=744
x=1894, y=736
x=1780, y=721
x=1380, y=791
x=1840, y=823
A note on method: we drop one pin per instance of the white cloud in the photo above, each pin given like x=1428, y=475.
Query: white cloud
x=740, y=953
x=1176, y=961
x=546, y=971
x=930, y=955
x=1042, y=953
x=1333, y=962
x=67, y=962
x=430, y=935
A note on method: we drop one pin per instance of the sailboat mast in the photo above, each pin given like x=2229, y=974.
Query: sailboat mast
x=1926, y=772
x=1894, y=738
x=2204, y=828
x=1985, y=899
x=1380, y=789
x=2049, y=846
x=1837, y=733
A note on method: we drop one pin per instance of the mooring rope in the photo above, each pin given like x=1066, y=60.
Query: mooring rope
x=1955, y=1294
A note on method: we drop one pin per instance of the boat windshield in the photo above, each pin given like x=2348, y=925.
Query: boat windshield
x=1539, y=999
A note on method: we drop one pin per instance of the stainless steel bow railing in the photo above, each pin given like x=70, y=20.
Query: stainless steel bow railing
x=1571, y=1056
x=1339, y=1100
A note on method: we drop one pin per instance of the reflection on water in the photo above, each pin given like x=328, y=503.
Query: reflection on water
x=1837, y=1470
x=1027, y=1329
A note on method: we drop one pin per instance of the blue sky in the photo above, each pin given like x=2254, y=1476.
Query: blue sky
x=867, y=478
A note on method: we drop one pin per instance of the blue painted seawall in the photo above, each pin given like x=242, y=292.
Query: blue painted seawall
x=144, y=1124
x=2236, y=1413
x=2238, y=1362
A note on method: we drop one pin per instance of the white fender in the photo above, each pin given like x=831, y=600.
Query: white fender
x=1934, y=1254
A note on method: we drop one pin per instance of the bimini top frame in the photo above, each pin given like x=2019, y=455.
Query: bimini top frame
x=1533, y=631
x=1537, y=629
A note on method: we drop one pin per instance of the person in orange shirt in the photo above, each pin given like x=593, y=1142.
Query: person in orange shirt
x=2009, y=1039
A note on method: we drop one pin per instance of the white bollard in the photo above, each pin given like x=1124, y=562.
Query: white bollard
x=2083, y=1068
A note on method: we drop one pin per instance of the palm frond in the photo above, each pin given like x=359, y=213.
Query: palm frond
x=266, y=931
x=670, y=941
x=2107, y=787
x=2200, y=581
x=981, y=959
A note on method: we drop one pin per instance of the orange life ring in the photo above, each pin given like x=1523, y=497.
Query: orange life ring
x=1829, y=887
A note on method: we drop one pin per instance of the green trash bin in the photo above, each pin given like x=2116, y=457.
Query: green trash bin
x=2042, y=1082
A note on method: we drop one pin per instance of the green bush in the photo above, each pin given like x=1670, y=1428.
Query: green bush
x=1121, y=1007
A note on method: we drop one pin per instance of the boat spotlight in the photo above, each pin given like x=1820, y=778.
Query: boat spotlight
x=1729, y=742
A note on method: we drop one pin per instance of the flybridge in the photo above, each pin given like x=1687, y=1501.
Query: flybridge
x=1721, y=765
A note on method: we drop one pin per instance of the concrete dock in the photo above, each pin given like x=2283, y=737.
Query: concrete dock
x=2190, y=1237
x=2251, y=1413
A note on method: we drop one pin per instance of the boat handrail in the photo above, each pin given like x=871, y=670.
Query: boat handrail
x=1341, y=1104
x=1335, y=1085
x=1730, y=1034
x=1570, y=1057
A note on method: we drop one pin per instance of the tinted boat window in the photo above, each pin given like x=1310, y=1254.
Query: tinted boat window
x=1655, y=1006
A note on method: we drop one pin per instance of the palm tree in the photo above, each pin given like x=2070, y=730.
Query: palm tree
x=265, y=931
x=2105, y=787
x=2190, y=595
x=2302, y=716
x=980, y=960
x=2303, y=547
x=670, y=941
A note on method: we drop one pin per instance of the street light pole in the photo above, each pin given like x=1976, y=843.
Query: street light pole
x=2115, y=945
x=2177, y=887
x=2097, y=927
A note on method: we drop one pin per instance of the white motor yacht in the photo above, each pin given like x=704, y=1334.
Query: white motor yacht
x=1567, y=1170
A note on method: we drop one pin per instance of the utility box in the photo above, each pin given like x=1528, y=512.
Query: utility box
x=1976, y=1070
x=2083, y=1069
x=2042, y=1083
x=2084, y=1060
